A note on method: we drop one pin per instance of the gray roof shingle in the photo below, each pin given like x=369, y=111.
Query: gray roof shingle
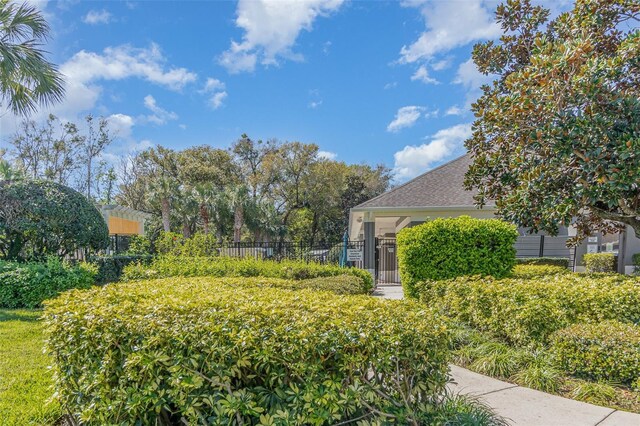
x=440, y=187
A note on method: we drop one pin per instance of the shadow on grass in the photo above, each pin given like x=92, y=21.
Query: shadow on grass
x=20, y=315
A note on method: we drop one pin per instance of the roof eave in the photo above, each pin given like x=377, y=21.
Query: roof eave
x=432, y=208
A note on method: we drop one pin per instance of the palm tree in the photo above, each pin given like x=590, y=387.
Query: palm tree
x=27, y=79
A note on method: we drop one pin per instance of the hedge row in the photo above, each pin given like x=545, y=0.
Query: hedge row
x=523, y=310
x=606, y=351
x=551, y=261
x=110, y=268
x=239, y=351
x=179, y=266
x=600, y=262
x=27, y=285
x=447, y=248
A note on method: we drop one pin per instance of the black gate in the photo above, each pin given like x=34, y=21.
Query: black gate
x=387, y=262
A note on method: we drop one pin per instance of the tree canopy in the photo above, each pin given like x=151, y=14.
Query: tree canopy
x=557, y=135
x=43, y=218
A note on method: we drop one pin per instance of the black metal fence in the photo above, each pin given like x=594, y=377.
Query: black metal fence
x=387, y=261
x=341, y=253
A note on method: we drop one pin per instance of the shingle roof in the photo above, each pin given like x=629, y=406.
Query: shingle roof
x=440, y=187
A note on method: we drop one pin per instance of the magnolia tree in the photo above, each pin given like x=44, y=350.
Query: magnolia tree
x=557, y=135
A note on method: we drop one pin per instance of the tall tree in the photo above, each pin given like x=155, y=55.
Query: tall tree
x=27, y=79
x=162, y=180
x=557, y=134
x=93, y=145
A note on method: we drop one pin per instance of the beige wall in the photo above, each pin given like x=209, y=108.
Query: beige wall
x=121, y=226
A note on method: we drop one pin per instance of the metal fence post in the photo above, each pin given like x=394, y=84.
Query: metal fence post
x=541, y=246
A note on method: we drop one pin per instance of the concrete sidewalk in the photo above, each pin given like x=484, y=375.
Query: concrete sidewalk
x=524, y=406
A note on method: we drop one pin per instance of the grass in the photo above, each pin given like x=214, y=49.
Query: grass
x=25, y=380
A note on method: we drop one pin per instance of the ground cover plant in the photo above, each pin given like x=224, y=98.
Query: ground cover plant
x=181, y=266
x=448, y=248
x=27, y=285
x=242, y=349
x=547, y=328
x=25, y=380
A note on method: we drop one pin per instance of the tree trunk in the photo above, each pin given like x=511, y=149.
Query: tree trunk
x=186, y=229
x=166, y=221
x=205, y=218
x=238, y=219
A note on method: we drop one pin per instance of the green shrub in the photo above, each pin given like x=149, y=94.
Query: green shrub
x=232, y=351
x=110, y=268
x=522, y=310
x=139, y=245
x=176, y=266
x=594, y=392
x=606, y=351
x=636, y=263
x=27, y=285
x=198, y=245
x=39, y=219
x=447, y=248
x=534, y=271
x=600, y=262
x=551, y=261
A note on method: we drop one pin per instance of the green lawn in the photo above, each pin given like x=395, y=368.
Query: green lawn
x=25, y=380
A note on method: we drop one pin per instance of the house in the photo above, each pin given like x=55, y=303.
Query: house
x=440, y=193
x=123, y=222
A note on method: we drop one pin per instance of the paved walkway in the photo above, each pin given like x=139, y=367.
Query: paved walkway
x=524, y=406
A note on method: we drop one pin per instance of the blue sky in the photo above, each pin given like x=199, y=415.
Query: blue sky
x=369, y=82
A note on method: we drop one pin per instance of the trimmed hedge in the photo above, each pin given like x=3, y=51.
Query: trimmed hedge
x=524, y=310
x=110, y=268
x=447, y=248
x=234, y=351
x=178, y=266
x=606, y=351
x=551, y=261
x=533, y=271
x=27, y=285
x=600, y=262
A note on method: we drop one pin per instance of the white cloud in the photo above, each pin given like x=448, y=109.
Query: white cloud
x=217, y=99
x=391, y=85
x=159, y=115
x=120, y=125
x=441, y=65
x=314, y=104
x=85, y=70
x=271, y=28
x=469, y=76
x=407, y=117
x=413, y=160
x=423, y=75
x=450, y=24
x=454, y=110
x=217, y=90
x=327, y=155
x=94, y=17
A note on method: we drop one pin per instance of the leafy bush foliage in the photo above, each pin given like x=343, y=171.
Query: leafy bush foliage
x=41, y=218
x=600, y=262
x=198, y=245
x=636, y=263
x=447, y=248
x=234, y=351
x=524, y=310
x=177, y=266
x=27, y=285
x=110, y=268
x=606, y=351
x=552, y=261
x=139, y=245
x=533, y=271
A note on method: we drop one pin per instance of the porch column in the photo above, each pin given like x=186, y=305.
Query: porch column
x=370, y=243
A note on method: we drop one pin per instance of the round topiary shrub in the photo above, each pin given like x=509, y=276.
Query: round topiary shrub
x=41, y=218
x=449, y=248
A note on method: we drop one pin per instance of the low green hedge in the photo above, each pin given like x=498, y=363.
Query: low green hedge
x=180, y=266
x=236, y=351
x=551, y=261
x=606, y=351
x=27, y=285
x=447, y=248
x=600, y=262
x=530, y=309
x=527, y=271
x=110, y=268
